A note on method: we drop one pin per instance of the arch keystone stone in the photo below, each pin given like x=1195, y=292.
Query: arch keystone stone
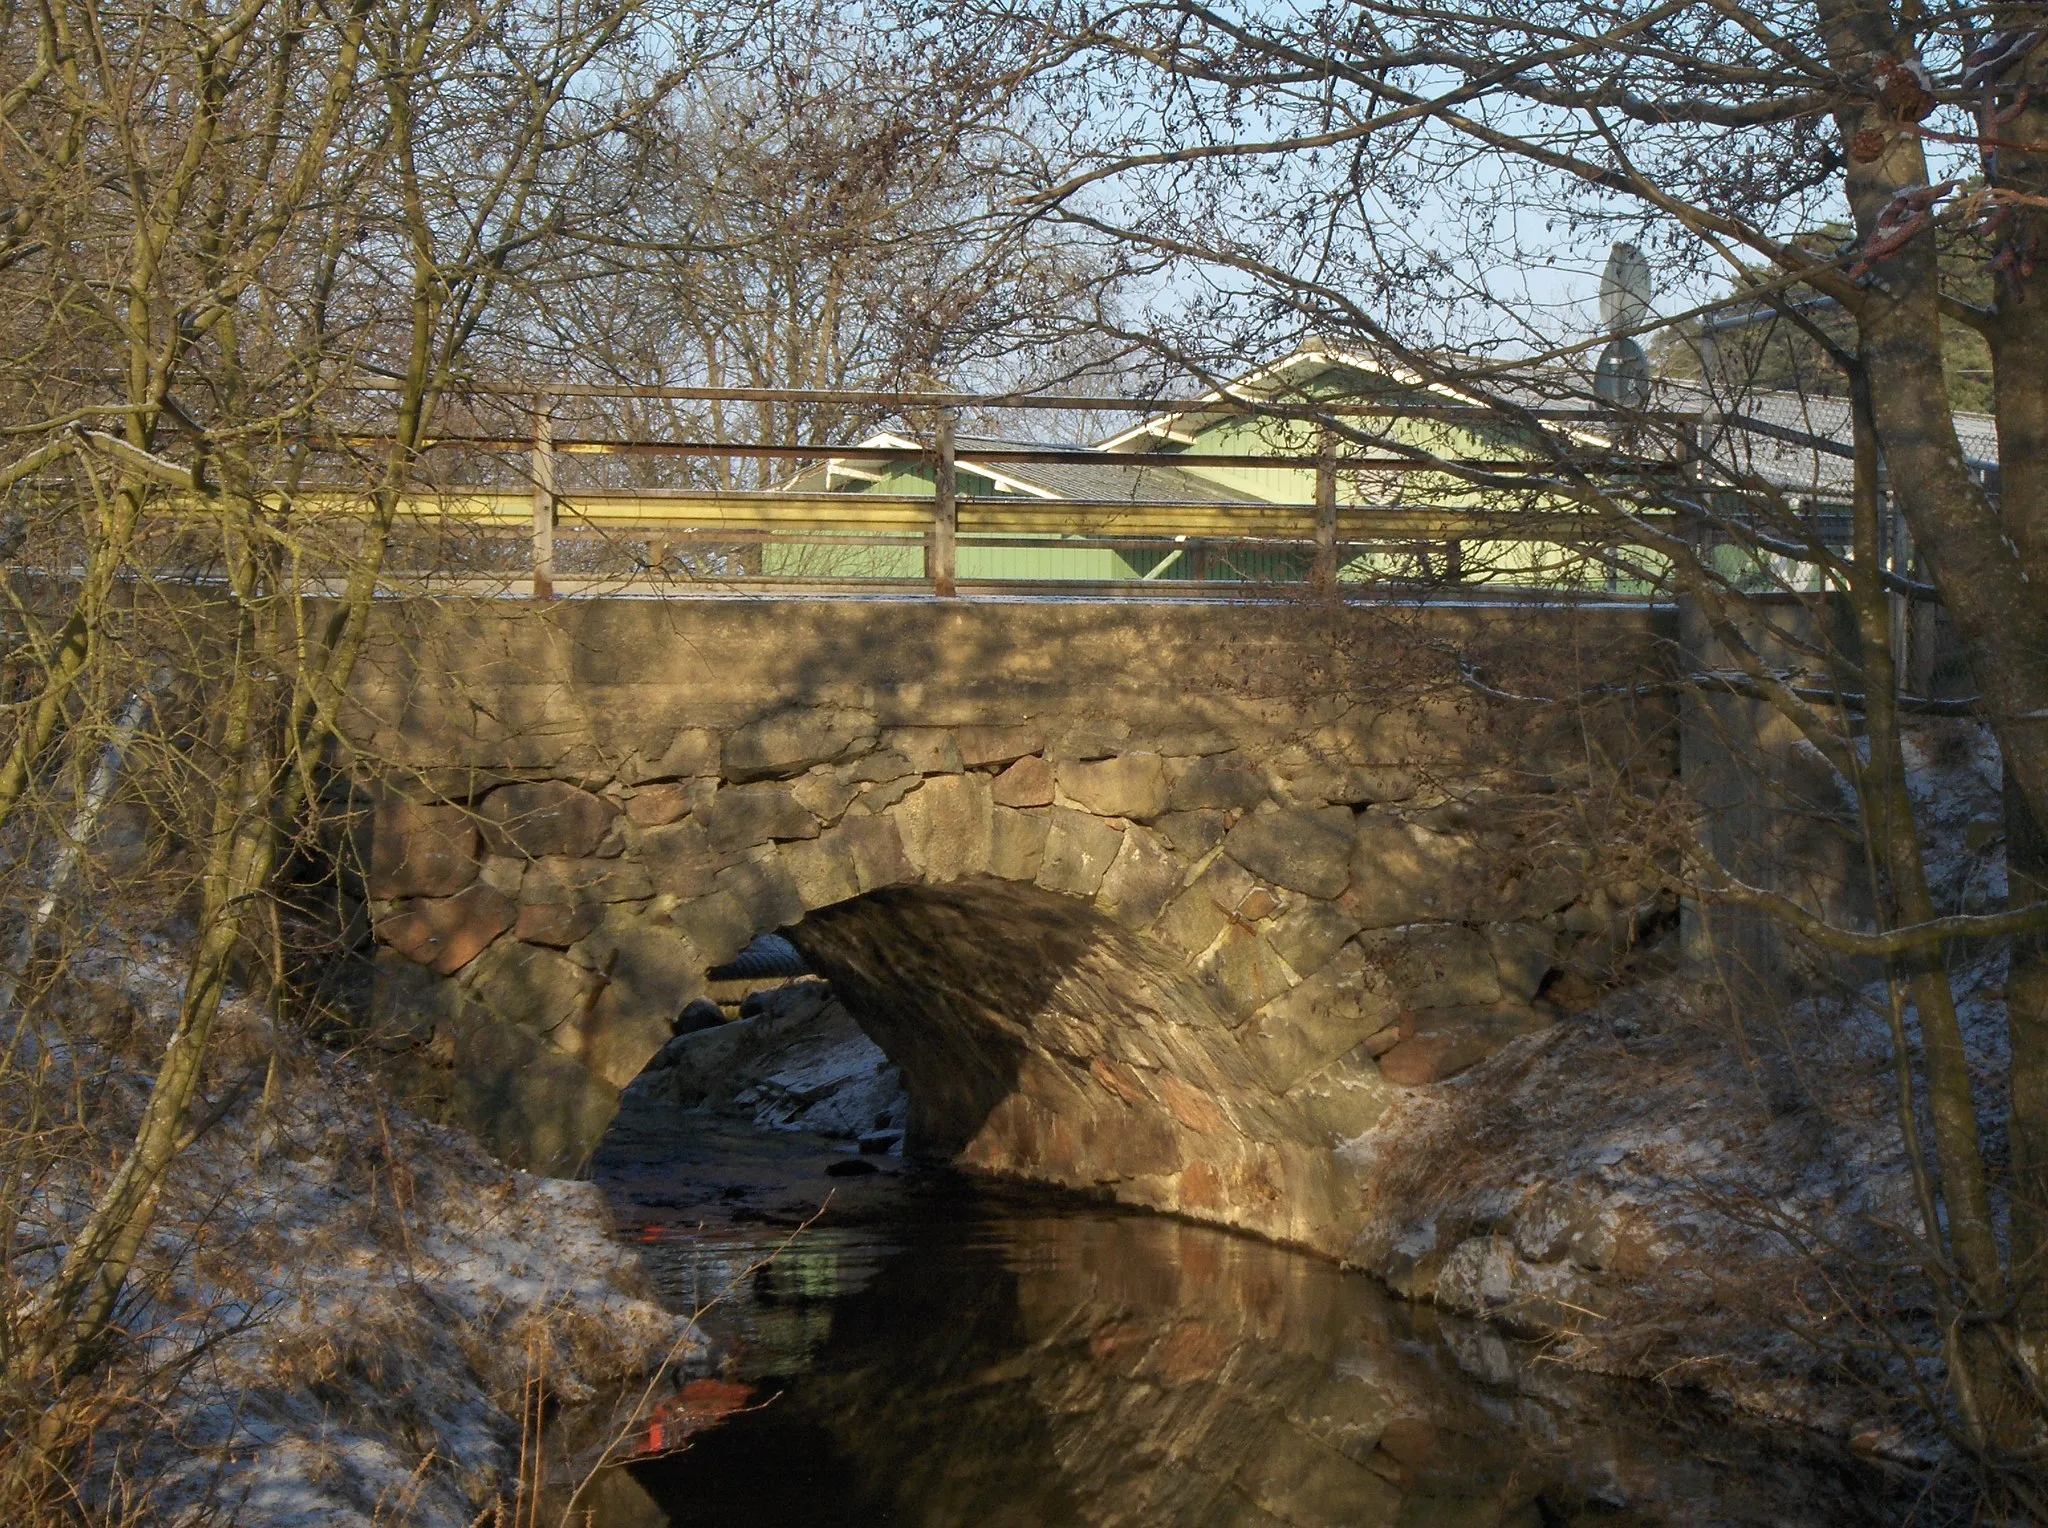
x=948, y=827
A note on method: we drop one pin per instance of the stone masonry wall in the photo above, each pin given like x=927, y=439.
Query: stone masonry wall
x=1155, y=899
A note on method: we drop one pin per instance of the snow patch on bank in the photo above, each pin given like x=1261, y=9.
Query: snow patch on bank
x=362, y=1296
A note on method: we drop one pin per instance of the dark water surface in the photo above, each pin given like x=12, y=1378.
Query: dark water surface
x=943, y=1354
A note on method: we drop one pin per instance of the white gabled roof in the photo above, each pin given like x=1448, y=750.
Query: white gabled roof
x=1263, y=383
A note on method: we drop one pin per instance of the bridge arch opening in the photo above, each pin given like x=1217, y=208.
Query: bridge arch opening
x=1036, y=1038
x=1033, y=1033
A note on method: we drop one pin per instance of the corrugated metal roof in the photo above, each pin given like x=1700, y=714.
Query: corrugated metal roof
x=1800, y=442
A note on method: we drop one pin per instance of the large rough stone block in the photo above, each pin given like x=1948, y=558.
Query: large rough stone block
x=1306, y=849
x=1026, y=783
x=556, y=924
x=616, y=1037
x=1218, y=780
x=823, y=869
x=877, y=848
x=948, y=827
x=1524, y=954
x=678, y=860
x=874, y=800
x=1194, y=834
x=1131, y=785
x=1436, y=965
x=742, y=816
x=585, y=880
x=1309, y=933
x=791, y=741
x=1017, y=847
x=1079, y=850
x=526, y=985
x=1194, y=918
x=1440, y=1043
x=503, y=872
x=1344, y=1099
x=652, y=806
x=1349, y=1001
x=1404, y=873
x=447, y=933
x=692, y=751
x=1305, y=777
x=824, y=794
x=996, y=745
x=1141, y=880
x=1556, y=883
x=1244, y=969
x=534, y=1107
x=876, y=768
x=408, y=1002
x=656, y=754
x=930, y=750
x=546, y=817
x=651, y=972
x=717, y=924
x=421, y=851
x=765, y=888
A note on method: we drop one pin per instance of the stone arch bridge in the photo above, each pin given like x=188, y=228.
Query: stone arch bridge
x=1161, y=899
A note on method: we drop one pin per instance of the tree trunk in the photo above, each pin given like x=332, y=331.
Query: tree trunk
x=2019, y=353
x=1999, y=613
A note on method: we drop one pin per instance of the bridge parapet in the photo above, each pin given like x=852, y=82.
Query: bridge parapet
x=1164, y=899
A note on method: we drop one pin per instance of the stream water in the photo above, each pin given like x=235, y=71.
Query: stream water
x=934, y=1352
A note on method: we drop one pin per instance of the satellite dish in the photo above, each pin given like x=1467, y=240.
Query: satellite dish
x=1624, y=289
x=1623, y=376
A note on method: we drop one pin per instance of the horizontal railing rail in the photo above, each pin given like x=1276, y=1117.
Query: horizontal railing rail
x=1353, y=510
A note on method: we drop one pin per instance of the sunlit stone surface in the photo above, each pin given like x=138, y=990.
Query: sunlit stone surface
x=1160, y=902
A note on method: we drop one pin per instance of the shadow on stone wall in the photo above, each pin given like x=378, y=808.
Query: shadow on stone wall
x=1163, y=903
x=977, y=989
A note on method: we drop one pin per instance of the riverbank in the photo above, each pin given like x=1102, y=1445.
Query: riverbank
x=1659, y=1190
x=342, y=1308
x=1676, y=1184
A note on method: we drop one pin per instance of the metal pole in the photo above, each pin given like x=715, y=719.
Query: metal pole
x=543, y=502
x=945, y=511
x=1324, y=574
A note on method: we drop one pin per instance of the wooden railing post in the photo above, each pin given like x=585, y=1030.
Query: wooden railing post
x=543, y=502
x=945, y=511
x=1324, y=574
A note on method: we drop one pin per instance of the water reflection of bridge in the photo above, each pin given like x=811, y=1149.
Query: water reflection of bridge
x=1010, y=1365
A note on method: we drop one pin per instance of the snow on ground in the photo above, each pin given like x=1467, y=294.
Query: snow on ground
x=367, y=1295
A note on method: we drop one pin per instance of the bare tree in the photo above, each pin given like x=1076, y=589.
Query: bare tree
x=244, y=256
x=824, y=212
x=1401, y=178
